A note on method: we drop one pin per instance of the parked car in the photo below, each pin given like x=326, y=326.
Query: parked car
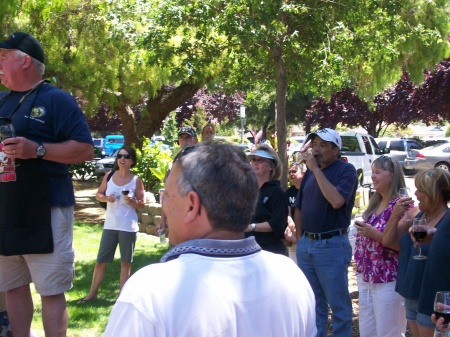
x=360, y=150
x=399, y=148
x=113, y=142
x=106, y=164
x=98, y=145
x=296, y=144
x=426, y=142
x=435, y=156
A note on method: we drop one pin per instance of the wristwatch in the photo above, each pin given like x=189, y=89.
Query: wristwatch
x=253, y=226
x=40, y=151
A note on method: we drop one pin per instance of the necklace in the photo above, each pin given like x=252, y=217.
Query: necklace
x=429, y=219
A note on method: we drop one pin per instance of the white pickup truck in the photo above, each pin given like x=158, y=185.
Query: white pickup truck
x=360, y=150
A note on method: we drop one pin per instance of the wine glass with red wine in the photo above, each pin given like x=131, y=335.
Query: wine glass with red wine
x=442, y=305
x=419, y=231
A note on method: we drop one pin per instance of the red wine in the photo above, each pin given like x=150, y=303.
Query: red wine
x=419, y=235
x=125, y=192
x=445, y=314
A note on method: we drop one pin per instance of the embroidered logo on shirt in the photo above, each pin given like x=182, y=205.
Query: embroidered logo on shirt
x=37, y=112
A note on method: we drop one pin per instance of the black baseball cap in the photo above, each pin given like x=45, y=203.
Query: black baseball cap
x=187, y=130
x=25, y=43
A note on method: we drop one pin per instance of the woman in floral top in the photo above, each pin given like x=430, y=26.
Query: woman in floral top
x=381, y=309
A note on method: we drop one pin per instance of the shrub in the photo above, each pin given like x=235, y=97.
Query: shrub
x=152, y=164
x=82, y=171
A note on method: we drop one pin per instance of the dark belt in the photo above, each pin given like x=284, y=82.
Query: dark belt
x=326, y=235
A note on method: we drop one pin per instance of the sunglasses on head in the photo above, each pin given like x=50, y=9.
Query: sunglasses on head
x=126, y=156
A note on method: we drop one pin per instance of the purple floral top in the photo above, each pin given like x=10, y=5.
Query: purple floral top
x=376, y=263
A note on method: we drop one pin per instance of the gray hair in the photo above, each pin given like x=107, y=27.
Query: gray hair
x=37, y=65
x=224, y=180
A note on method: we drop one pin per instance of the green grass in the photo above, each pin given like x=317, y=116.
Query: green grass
x=90, y=319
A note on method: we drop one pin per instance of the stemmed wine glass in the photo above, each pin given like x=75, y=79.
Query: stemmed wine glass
x=442, y=305
x=6, y=131
x=403, y=192
x=419, y=231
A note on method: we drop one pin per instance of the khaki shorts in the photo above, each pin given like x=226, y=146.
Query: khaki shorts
x=52, y=274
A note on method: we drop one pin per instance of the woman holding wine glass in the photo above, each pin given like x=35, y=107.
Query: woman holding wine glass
x=381, y=310
x=124, y=193
x=432, y=192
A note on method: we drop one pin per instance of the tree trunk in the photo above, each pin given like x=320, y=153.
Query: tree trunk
x=128, y=119
x=167, y=99
x=280, y=75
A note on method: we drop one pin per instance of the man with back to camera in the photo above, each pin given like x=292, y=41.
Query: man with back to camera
x=324, y=206
x=36, y=193
x=214, y=282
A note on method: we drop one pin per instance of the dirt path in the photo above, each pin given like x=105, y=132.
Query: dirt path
x=87, y=208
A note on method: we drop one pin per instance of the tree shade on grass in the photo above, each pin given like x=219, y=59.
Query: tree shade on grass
x=90, y=319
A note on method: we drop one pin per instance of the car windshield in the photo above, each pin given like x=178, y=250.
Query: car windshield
x=115, y=140
x=114, y=154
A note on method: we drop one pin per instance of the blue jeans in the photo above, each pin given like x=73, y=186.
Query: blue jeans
x=325, y=265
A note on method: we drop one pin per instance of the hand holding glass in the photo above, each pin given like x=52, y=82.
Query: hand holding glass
x=403, y=192
x=442, y=305
x=442, y=331
x=6, y=131
x=419, y=231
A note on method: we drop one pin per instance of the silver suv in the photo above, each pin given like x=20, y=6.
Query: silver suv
x=399, y=148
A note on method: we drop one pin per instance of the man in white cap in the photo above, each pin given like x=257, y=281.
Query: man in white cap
x=325, y=202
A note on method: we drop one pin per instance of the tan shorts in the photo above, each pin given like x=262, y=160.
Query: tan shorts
x=51, y=274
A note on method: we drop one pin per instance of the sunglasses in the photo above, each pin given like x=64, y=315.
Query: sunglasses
x=126, y=156
x=259, y=160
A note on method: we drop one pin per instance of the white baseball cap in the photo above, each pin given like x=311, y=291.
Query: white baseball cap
x=328, y=135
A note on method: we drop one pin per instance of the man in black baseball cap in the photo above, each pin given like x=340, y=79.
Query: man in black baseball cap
x=25, y=43
x=51, y=134
x=187, y=136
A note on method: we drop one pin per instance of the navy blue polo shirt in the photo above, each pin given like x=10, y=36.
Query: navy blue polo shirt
x=318, y=215
x=48, y=115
